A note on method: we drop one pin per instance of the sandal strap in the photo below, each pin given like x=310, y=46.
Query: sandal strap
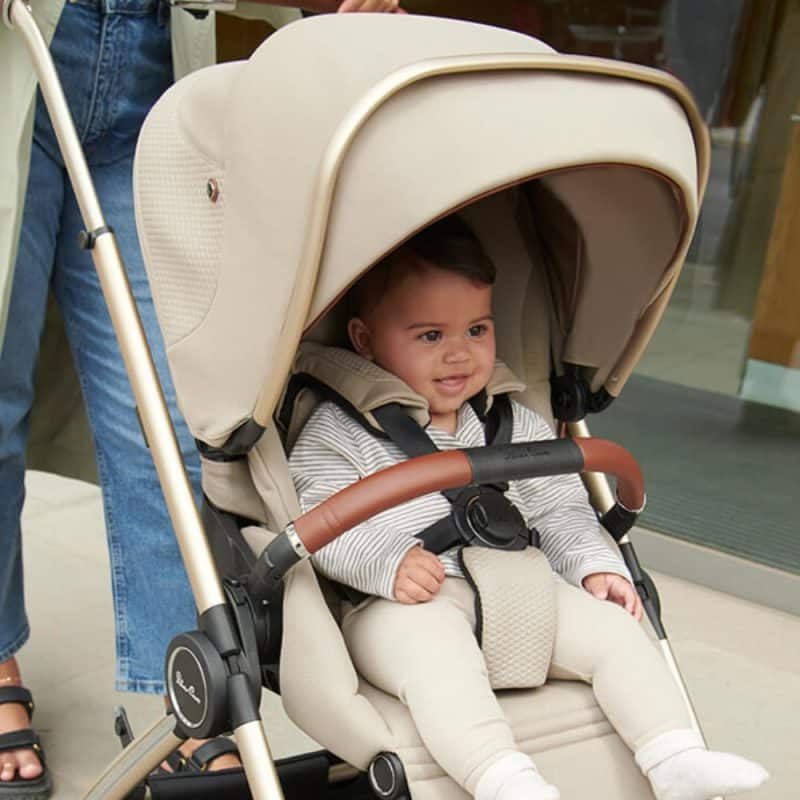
x=25, y=739
x=206, y=753
x=17, y=694
x=176, y=762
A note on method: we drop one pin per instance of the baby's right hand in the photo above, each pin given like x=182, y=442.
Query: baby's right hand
x=419, y=577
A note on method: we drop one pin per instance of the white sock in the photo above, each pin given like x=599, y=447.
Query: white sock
x=680, y=768
x=514, y=777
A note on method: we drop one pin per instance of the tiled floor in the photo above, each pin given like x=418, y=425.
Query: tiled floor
x=741, y=660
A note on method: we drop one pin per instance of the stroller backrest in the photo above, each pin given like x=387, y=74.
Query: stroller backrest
x=521, y=293
x=362, y=387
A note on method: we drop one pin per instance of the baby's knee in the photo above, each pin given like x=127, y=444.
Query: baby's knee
x=620, y=634
x=604, y=632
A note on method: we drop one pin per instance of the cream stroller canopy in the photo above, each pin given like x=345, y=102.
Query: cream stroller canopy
x=265, y=188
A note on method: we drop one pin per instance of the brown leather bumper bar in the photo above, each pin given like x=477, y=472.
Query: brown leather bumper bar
x=434, y=473
x=379, y=491
x=456, y=468
x=601, y=455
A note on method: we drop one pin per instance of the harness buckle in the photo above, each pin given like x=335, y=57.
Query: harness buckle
x=484, y=516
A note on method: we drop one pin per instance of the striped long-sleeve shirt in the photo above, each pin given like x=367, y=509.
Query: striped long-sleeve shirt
x=334, y=451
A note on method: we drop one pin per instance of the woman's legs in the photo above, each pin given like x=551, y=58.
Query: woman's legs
x=112, y=67
x=151, y=592
x=17, y=363
x=123, y=73
x=152, y=600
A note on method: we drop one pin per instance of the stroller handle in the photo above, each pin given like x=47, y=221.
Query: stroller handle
x=435, y=473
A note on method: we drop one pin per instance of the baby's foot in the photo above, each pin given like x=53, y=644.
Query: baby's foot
x=514, y=777
x=702, y=774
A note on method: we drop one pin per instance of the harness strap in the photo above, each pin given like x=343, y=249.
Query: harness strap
x=17, y=694
x=408, y=436
x=441, y=535
x=470, y=519
x=413, y=441
x=499, y=421
x=302, y=380
x=479, y=514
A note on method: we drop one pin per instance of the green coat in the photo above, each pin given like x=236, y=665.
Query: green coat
x=60, y=440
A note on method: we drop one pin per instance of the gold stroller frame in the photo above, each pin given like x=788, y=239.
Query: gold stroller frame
x=150, y=749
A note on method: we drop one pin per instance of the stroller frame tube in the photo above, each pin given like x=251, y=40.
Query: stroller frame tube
x=259, y=765
x=603, y=499
x=147, y=752
x=136, y=761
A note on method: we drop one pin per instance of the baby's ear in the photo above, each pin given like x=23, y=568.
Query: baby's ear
x=360, y=337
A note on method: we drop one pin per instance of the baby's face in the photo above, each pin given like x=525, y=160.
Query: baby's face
x=434, y=330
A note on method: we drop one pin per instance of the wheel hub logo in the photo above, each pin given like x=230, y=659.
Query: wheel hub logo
x=188, y=690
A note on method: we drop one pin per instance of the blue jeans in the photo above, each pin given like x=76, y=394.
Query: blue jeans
x=114, y=60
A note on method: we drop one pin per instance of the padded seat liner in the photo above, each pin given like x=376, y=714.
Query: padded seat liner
x=559, y=725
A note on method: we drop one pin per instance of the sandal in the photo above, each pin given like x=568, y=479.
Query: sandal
x=20, y=788
x=190, y=777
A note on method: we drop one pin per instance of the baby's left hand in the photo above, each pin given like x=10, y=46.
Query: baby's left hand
x=615, y=588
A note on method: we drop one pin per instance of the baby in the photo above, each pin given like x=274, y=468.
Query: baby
x=425, y=315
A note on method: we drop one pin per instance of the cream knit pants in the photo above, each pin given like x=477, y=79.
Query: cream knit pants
x=427, y=656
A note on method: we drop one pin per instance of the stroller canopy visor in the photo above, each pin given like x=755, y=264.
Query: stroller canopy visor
x=265, y=188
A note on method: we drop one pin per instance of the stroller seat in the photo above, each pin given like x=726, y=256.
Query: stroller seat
x=261, y=200
x=558, y=724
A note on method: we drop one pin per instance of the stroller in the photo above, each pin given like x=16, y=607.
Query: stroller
x=260, y=201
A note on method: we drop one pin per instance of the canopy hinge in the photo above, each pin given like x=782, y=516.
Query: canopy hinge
x=571, y=397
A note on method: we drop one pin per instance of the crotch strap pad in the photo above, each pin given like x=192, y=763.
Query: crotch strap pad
x=515, y=611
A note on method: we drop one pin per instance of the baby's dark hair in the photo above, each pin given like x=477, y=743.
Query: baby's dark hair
x=448, y=244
